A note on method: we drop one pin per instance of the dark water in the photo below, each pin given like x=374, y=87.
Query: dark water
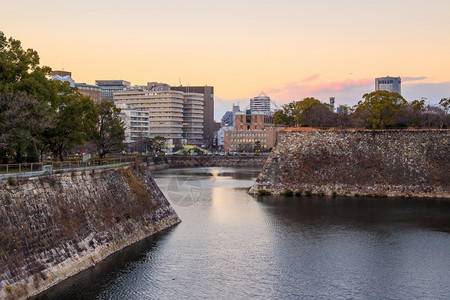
x=233, y=246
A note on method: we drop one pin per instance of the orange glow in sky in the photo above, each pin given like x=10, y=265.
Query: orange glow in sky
x=289, y=49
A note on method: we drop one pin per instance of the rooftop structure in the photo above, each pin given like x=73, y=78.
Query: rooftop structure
x=390, y=84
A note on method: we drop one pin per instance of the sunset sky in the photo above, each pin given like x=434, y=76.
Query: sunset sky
x=289, y=49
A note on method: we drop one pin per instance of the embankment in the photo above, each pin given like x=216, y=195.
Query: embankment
x=192, y=161
x=411, y=163
x=55, y=226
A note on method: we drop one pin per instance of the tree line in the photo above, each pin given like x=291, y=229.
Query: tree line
x=40, y=116
x=377, y=110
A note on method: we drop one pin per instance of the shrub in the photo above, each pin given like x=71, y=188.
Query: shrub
x=263, y=192
x=334, y=194
x=288, y=192
x=298, y=193
x=308, y=193
x=8, y=288
x=11, y=180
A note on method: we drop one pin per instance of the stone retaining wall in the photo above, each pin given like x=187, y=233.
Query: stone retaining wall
x=413, y=163
x=55, y=226
x=216, y=161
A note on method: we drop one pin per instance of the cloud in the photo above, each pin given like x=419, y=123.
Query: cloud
x=299, y=90
x=311, y=78
x=434, y=92
x=405, y=79
x=347, y=92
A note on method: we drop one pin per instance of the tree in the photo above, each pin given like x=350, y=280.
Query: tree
x=445, y=103
x=158, y=143
x=433, y=117
x=20, y=71
x=379, y=108
x=307, y=112
x=110, y=134
x=28, y=94
x=344, y=117
x=141, y=144
x=74, y=120
x=22, y=119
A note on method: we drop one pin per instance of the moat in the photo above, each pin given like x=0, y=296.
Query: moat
x=232, y=245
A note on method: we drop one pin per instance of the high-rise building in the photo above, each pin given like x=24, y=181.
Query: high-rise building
x=193, y=118
x=208, y=109
x=260, y=103
x=390, y=84
x=136, y=122
x=109, y=87
x=165, y=110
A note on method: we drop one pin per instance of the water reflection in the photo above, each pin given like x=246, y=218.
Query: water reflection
x=233, y=245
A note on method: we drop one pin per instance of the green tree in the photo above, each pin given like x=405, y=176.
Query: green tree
x=418, y=105
x=307, y=112
x=20, y=71
x=110, y=134
x=158, y=143
x=74, y=120
x=379, y=108
x=29, y=93
x=286, y=116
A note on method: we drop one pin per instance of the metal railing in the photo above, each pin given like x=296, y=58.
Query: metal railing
x=61, y=165
x=21, y=168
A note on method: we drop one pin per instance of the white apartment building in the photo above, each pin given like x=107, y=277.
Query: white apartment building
x=260, y=103
x=136, y=123
x=165, y=110
x=193, y=118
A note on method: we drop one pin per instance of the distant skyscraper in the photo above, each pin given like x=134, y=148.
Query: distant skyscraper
x=260, y=103
x=390, y=84
x=108, y=87
x=227, y=119
x=208, y=109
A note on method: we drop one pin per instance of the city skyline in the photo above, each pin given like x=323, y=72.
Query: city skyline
x=289, y=50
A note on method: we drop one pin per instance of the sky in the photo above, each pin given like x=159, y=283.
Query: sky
x=288, y=49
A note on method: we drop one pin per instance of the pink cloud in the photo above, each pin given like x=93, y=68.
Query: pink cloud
x=299, y=90
x=311, y=78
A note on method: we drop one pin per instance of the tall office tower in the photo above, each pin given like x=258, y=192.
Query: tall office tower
x=260, y=103
x=108, y=87
x=208, y=109
x=390, y=84
x=165, y=111
x=193, y=118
